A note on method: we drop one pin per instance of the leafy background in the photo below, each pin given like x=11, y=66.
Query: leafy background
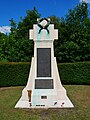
x=73, y=43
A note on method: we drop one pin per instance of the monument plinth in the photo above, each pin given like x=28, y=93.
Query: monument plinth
x=44, y=88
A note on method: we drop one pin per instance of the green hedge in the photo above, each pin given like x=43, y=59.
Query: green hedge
x=16, y=74
x=75, y=73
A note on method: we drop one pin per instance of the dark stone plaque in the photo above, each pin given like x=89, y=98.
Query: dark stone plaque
x=43, y=83
x=43, y=62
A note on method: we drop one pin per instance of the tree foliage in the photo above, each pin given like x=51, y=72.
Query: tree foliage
x=19, y=47
x=74, y=35
x=73, y=38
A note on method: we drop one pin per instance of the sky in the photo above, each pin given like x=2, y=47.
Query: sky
x=17, y=8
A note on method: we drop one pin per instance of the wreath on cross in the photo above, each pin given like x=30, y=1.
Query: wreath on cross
x=41, y=26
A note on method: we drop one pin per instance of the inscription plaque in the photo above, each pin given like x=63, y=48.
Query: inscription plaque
x=43, y=83
x=43, y=62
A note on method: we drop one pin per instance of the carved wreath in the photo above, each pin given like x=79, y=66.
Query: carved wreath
x=43, y=27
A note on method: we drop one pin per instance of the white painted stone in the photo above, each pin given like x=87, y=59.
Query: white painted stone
x=57, y=97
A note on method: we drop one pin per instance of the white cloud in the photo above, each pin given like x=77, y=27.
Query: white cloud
x=5, y=29
x=87, y=1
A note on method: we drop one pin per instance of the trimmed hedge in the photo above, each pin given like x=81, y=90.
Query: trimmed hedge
x=16, y=74
x=75, y=73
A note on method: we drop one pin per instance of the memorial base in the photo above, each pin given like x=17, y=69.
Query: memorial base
x=54, y=99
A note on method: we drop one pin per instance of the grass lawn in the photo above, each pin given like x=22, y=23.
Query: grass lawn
x=80, y=96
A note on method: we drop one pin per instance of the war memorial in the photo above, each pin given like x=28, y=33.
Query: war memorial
x=44, y=88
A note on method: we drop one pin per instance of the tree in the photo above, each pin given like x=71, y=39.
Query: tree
x=21, y=48
x=3, y=47
x=74, y=39
x=77, y=22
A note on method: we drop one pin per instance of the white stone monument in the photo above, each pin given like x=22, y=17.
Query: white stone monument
x=44, y=88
